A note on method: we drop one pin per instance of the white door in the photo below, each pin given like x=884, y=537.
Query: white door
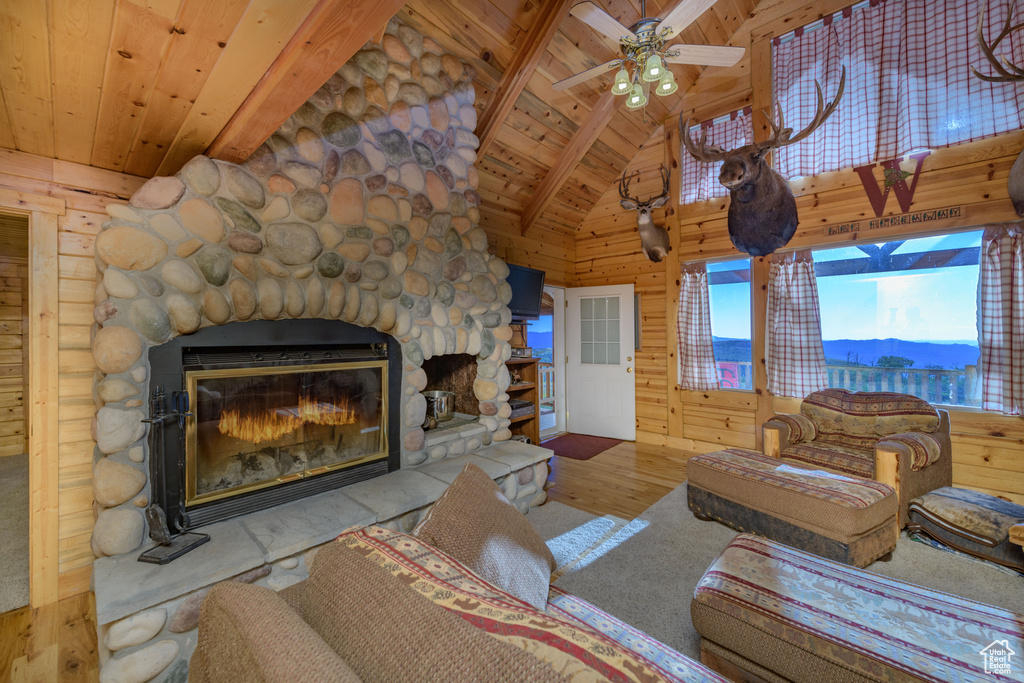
x=552, y=413
x=600, y=392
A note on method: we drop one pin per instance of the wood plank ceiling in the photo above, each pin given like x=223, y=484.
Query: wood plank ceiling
x=141, y=86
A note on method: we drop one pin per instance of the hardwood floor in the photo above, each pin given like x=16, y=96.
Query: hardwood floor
x=58, y=643
x=623, y=481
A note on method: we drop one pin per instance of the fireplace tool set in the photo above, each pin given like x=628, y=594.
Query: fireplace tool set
x=171, y=544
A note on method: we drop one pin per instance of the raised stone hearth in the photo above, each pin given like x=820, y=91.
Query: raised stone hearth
x=362, y=207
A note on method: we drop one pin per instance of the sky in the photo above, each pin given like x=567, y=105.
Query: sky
x=937, y=305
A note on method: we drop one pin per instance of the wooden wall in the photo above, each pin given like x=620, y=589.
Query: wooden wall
x=13, y=326
x=85, y=191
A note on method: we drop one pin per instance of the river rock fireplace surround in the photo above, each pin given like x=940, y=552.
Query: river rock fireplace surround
x=350, y=243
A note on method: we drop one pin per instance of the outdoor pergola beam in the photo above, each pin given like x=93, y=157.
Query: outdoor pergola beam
x=520, y=69
x=586, y=135
x=334, y=31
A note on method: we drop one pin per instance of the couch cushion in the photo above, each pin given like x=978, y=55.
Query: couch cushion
x=566, y=645
x=806, y=618
x=248, y=633
x=858, y=419
x=473, y=522
x=833, y=457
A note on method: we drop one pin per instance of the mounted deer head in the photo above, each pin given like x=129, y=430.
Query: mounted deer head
x=653, y=239
x=1008, y=73
x=762, y=210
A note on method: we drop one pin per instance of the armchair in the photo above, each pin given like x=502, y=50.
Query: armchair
x=896, y=439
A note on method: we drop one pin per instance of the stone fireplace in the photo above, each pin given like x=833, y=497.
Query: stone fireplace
x=294, y=300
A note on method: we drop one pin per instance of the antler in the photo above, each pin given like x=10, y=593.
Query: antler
x=702, y=151
x=1007, y=70
x=782, y=136
x=625, y=181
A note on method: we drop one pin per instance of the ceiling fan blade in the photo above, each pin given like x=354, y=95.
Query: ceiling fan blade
x=684, y=14
x=586, y=75
x=599, y=20
x=706, y=55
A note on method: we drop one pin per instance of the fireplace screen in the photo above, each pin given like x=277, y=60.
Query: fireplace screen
x=258, y=427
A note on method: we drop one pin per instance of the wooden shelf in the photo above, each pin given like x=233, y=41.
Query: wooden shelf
x=526, y=425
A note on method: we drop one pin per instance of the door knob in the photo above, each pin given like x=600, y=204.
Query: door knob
x=629, y=369
x=629, y=358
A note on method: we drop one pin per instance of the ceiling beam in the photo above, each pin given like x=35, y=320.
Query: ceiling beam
x=586, y=135
x=520, y=69
x=334, y=31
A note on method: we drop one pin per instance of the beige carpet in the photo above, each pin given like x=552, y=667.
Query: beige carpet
x=13, y=532
x=646, y=572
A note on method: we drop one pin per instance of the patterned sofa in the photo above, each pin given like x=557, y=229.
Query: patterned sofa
x=381, y=605
x=896, y=439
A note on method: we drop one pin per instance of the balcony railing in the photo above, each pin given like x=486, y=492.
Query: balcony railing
x=947, y=387
x=547, y=382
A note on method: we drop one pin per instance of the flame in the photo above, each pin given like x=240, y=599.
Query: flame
x=275, y=423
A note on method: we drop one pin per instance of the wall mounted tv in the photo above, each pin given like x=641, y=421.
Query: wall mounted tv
x=527, y=289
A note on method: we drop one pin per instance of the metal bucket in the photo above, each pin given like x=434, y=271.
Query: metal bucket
x=440, y=404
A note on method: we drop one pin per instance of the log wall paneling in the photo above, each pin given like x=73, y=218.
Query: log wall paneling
x=76, y=196
x=13, y=335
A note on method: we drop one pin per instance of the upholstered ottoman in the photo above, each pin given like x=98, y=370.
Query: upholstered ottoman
x=969, y=521
x=843, y=518
x=782, y=614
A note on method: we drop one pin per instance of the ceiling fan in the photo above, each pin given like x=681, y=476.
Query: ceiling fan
x=644, y=45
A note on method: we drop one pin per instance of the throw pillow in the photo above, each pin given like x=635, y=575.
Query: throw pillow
x=474, y=523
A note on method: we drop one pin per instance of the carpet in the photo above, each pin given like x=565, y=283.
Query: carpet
x=646, y=572
x=13, y=532
x=571, y=533
x=579, y=446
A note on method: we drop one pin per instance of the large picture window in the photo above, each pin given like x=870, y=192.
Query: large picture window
x=902, y=316
x=729, y=291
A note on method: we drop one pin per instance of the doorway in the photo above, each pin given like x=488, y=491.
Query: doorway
x=548, y=340
x=14, y=467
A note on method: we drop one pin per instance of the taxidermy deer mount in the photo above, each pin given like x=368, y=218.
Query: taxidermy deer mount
x=1008, y=73
x=653, y=239
x=762, y=209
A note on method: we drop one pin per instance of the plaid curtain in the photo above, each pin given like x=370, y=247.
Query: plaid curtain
x=699, y=180
x=794, y=353
x=1001, y=318
x=908, y=82
x=697, y=370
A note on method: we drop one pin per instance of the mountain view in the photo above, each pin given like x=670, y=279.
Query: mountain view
x=867, y=352
x=542, y=344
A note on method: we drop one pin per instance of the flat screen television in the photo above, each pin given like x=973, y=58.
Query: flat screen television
x=527, y=290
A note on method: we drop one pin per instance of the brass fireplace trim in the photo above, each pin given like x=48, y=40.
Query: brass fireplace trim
x=193, y=377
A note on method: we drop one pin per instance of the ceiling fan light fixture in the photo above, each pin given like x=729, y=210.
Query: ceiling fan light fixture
x=622, y=84
x=654, y=69
x=667, y=85
x=636, y=98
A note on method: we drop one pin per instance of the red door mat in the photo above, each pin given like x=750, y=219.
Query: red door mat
x=580, y=446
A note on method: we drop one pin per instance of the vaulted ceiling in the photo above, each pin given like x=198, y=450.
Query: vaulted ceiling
x=142, y=86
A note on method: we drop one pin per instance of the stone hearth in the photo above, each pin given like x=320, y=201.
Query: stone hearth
x=362, y=207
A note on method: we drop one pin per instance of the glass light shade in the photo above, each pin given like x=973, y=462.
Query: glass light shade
x=636, y=98
x=667, y=85
x=621, y=86
x=654, y=69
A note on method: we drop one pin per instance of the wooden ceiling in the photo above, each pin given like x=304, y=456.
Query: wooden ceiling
x=141, y=86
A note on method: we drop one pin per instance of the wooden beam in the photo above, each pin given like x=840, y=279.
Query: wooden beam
x=586, y=135
x=333, y=32
x=42, y=401
x=520, y=69
x=761, y=98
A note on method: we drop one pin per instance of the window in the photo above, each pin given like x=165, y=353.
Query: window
x=729, y=292
x=902, y=316
x=599, y=330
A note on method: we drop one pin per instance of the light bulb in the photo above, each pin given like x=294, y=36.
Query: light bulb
x=636, y=98
x=621, y=86
x=654, y=69
x=667, y=85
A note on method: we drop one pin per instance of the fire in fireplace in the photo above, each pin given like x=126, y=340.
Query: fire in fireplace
x=277, y=411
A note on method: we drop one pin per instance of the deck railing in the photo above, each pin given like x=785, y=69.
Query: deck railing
x=947, y=387
x=547, y=382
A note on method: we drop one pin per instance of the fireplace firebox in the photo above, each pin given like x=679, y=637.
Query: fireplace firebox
x=276, y=411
